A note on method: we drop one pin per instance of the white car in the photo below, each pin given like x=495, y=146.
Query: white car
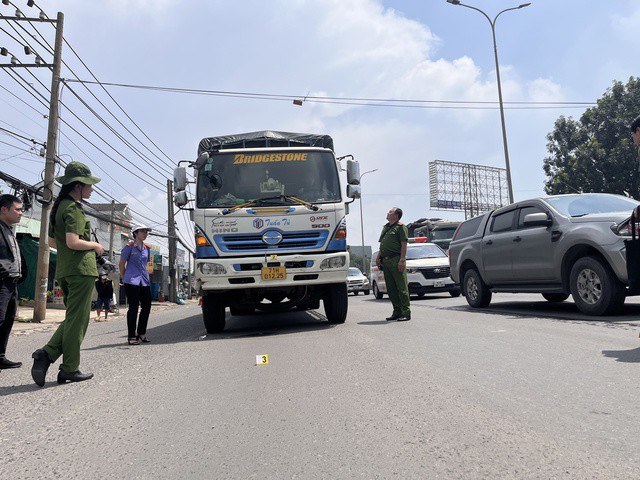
x=427, y=271
x=357, y=282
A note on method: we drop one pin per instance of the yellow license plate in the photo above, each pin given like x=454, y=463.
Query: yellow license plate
x=274, y=273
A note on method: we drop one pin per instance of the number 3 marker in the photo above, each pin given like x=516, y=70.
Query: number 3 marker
x=262, y=359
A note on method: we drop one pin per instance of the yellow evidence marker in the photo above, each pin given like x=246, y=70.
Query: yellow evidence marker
x=262, y=359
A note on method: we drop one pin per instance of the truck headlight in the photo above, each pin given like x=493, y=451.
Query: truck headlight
x=333, y=262
x=412, y=270
x=212, y=269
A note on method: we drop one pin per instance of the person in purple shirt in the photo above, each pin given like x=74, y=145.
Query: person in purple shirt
x=137, y=285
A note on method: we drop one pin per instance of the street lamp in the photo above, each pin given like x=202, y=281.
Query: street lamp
x=495, y=52
x=364, y=266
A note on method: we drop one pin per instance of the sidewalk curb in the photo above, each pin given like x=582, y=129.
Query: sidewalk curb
x=24, y=325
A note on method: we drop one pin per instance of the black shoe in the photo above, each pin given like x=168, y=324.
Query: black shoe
x=5, y=363
x=392, y=317
x=404, y=318
x=143, y=339
x=41, y=362
x=76, y=376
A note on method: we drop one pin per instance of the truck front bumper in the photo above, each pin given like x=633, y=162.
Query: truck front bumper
x=246, y=273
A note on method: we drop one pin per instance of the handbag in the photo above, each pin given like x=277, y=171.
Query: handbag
x=633, y=259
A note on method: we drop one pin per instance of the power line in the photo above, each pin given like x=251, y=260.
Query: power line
x=380, y=102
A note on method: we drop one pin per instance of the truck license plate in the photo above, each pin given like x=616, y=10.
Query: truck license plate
x=438, y=283
x=274, y=273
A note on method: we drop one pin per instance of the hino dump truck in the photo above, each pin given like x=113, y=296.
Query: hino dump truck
x=270, y=225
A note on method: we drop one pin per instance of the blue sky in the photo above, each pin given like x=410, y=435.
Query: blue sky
x=565, y=50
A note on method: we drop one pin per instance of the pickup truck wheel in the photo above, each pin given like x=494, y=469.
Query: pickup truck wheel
x=376, y=291
x=454, y=293
x=336, y=303
x=355, y=294
x=595, y=288
x=366, y=292
x=213, y=314
x=555, y=297
x=477, y=292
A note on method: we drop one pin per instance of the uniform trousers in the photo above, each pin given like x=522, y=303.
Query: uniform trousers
x=8, y=309
x=138, y=296
x=396, y=283
x=77, y=291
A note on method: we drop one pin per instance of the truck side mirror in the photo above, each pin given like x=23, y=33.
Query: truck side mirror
x=180, y=199
x=537, y=220
x=353, y=173
x=353, y=191
x=179, y=179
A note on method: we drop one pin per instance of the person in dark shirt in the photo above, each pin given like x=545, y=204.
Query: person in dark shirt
x=104, y=287
x=11, y=271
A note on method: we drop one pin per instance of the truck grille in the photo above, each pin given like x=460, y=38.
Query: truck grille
x=248, y=242
x=436, y=272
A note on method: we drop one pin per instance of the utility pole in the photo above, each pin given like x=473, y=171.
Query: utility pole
x=173, y=285
x=42, y=271
x=112, y=228
x=189, y=277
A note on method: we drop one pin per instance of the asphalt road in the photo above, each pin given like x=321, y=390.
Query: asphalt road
x=522, y=390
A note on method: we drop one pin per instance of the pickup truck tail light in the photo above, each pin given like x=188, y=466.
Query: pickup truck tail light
x=456, y=232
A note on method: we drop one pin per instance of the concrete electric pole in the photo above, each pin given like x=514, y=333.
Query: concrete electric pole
x=42, y=271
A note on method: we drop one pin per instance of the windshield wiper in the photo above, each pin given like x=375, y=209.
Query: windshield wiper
x=261, y=201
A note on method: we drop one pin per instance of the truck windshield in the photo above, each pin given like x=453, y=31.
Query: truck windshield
x=230, y=179
x=443, y=233
x=585, y=204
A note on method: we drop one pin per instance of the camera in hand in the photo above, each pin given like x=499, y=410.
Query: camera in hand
x=104, y=263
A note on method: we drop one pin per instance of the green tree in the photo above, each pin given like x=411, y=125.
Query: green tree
x=596, y=153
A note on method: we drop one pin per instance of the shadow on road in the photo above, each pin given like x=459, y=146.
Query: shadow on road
x=192, y=329
x=558, y=311
x=630, y=356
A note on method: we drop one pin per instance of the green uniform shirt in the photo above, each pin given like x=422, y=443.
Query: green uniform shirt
x=70, y=218
x=391, y=239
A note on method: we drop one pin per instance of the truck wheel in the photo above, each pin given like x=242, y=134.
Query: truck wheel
x=336, y=303
x=477, y=292
x=454, y=293
x=376, y=291
x=213, y=314
x=555, y=297
x=355, y=294
x=366, y=292
x=595, y=288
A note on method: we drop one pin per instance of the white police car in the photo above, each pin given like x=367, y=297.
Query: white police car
x=427, y=271
x=357, y=282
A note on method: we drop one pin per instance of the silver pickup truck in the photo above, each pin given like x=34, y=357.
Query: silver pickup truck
x=557, y=245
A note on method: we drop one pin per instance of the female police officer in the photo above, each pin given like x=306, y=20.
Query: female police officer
x=76, y=271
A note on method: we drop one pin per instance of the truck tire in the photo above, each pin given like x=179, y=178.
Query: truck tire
x=595, y=288
x=476, y=291
x=213, y=314
x=454, y=293
x=336, y=303
x=555, y=297
x=366, y=292
x=376, y=291
x=355, y=294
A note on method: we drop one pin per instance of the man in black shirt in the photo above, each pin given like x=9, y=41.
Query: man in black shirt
x=11, y=272
x=104, y=287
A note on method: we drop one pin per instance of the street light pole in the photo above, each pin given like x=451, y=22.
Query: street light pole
x=495, y=52
x=364, y=266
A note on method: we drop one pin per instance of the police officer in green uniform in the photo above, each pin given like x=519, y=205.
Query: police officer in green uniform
x=392, y=260
x=76, y=272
